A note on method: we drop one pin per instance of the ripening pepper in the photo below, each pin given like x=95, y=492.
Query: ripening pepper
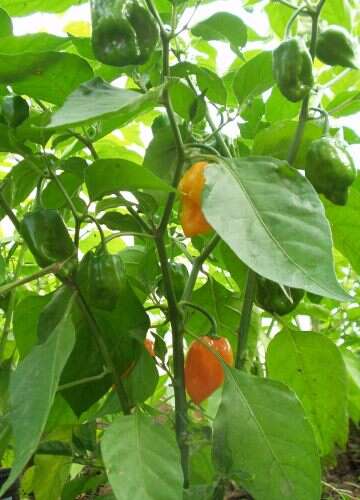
x=191, y=187
x=48, y=239
x=14, y=110
x=203, y=371
x=271, y=297
x=330, y=169
x=123, y=32
x=102, y=279
x=292, y=66
x=336, y=47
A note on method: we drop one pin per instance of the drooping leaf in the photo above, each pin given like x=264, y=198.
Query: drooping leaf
x=261, y=428
x=33, y=387
x=222, y=26
x=142, y=459
x=272, y=218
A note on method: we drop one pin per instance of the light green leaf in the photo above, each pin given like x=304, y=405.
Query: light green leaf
x=97, y=99
x=222, y=26
x=142, y=459
x=23, y=8
x=110, y=176
x=337, y=12
x=254, y=77
x=311, y=365
x=352, y=364
x=262, y=438
x=33, y=387
x=272, y=218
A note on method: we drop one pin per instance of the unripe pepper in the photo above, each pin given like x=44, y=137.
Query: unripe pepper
x=336, y=47
x=123, y=32
x=191, y=187
x=203, y=371
x=48, y=239
x=271, y=297
x=292, y=66
x=179, y=275
x=330, y=169
x=14, y=110
x=102, y=279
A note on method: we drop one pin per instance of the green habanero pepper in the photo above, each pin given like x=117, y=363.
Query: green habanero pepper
x=336, y=47
x=270, y=296
x=14, y=110
x=48, y=239
x=179, y=275
x=330, y=169
x=123, y=32
x=102, y=279
x=292, y=66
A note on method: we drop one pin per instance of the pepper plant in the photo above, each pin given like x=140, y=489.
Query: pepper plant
x=179, y=258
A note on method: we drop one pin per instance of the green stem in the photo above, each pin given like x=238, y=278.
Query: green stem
x=204, y=312
x=86, y=380
x=64, y=192
x=11, y=305
x=108, y=360
x=178, y=356
x=7, y=209
x=294, y=148
x=243, y=331
x=53, y=269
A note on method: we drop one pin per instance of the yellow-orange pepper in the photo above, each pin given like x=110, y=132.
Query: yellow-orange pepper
x=191, y=186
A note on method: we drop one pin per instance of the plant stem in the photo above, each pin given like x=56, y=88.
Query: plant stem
x=108, y=360
x=178, y=355
x=294, y=148
x=243, y=331
x=86, y=380
x=204, y=313
x=53, y=269
x=7, y=209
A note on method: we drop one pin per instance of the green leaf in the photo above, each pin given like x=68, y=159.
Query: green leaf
x=345, y=225
x=97, y=99
x=344, y=104
x=269, y=215
x=53, y=197
x=35, y=42
x=51, y=473
x=33, y=387
x=352, y=364
x=143, y=378
x=26, y=317
x=142, y=459
x=261, y=429
x=224, y=27
x=276, y=141
x=311, y=365
x=6, y=26
x=254, y=77
x=110, y=176
x=23, y=8
x=50, y=76
x=279, y=108
x=337, y=12
x=279, y=15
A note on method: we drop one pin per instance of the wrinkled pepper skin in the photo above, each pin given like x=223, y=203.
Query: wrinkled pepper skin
x=123, y=32
x=292, y=66
x=102, y=279
x=48, y=239
x=336, y=47
x=14, y=110
x=271, y=298
x=191, y=187
x=203, y=371
x=330, y=169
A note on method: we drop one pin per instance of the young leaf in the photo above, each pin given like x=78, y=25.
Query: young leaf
x=254, y=77
x=142, y=459
x=224, y=27
x=261, y=437
x=272, y=218
x=311, y=365
x=33, y=387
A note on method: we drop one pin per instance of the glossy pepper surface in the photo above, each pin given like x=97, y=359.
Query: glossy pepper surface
x=270, y=296
x=48, y=239
x=203, y=371
x=191, y=187
x=336, y=47
x=102, y=279
x=330, y=169
x=123, y=32
x=292, y=66
x=14, y=110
